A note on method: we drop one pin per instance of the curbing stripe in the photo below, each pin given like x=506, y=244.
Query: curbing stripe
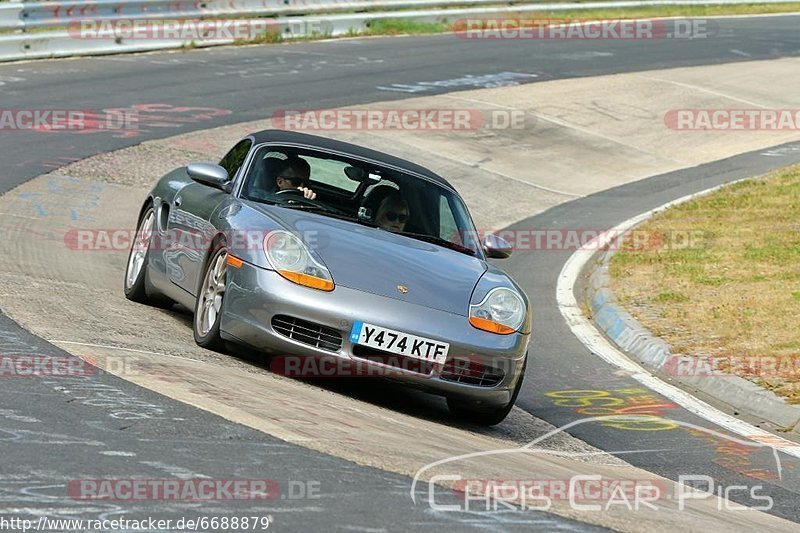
x=653, y=352
x=593, y=339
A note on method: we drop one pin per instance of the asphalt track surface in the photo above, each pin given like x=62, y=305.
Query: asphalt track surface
x=253, y=82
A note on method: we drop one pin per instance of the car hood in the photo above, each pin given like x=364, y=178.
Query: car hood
x=378, y=261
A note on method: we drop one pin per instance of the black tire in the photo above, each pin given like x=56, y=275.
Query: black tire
x=134, y=285
x=482, y=415
x=211, y=338
x=136, y=289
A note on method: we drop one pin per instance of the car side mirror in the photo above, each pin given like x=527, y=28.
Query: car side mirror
x=496, y=247
x=209, y=174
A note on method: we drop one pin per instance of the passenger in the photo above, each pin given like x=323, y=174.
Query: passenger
x=294, y=173
x=392, y=213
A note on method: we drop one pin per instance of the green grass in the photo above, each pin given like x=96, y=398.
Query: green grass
x=736, y=288
x=670, y=296
x=400, y=26
x=269, y=37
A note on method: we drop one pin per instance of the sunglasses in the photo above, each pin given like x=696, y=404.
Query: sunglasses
x=294, y=180
x=391, y=216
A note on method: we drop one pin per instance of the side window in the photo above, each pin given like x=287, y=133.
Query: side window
x=234, y=160
x=448, y=229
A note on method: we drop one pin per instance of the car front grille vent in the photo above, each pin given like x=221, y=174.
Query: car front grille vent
x=471, y=373
x=310, y=333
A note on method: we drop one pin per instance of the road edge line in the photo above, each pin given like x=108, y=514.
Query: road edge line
x=599, y=345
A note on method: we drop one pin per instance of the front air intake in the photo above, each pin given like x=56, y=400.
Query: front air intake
x=310, y=333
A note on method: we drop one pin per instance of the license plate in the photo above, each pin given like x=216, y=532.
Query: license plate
x=397, y=342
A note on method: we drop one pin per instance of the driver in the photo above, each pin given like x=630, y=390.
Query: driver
x=294, y=173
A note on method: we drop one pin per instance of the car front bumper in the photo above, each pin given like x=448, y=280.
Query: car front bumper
x=255, y=296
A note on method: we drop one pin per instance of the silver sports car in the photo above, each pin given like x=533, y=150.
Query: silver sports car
x=309, y=250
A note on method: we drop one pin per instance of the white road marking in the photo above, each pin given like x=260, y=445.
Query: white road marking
x=484, y=81
x=602, y=347
x=109, y=347
x=12, y=414
x=535, y=185
x=114, y=453
x=582, y=56
x=781, y=151
x=705, y=90
x=175, y=470
x=563, y=124
x=10, y=79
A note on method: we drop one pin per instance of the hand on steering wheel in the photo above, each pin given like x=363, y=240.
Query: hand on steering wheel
x=307, y=193
x=305, y=196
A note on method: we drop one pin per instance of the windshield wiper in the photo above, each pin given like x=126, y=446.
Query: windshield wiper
x=438, y=240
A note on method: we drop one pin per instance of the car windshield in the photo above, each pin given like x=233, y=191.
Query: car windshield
x=363, y=192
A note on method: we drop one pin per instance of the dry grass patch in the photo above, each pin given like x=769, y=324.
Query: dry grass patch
x=734, y=290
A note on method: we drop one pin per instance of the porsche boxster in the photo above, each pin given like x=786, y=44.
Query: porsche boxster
x=301, y=246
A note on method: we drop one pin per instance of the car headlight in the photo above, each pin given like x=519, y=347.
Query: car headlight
x=502, y=311
x=291, y=259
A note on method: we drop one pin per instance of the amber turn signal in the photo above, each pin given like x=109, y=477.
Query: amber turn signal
x=488, y=325
x=306, y=280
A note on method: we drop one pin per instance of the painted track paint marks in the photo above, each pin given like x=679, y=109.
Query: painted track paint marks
x=620, y=402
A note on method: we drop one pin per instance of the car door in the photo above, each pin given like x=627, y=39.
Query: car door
x=191, y=227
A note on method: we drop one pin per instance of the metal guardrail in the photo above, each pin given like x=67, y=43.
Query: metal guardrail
x=45, y=44
x=53, y=14
x=11, y=15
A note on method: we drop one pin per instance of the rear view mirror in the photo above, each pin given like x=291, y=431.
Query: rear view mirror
x=355, y=173
x=360, y=175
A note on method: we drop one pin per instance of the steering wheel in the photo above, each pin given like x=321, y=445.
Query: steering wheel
x=297, y=192
x=302, y=200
